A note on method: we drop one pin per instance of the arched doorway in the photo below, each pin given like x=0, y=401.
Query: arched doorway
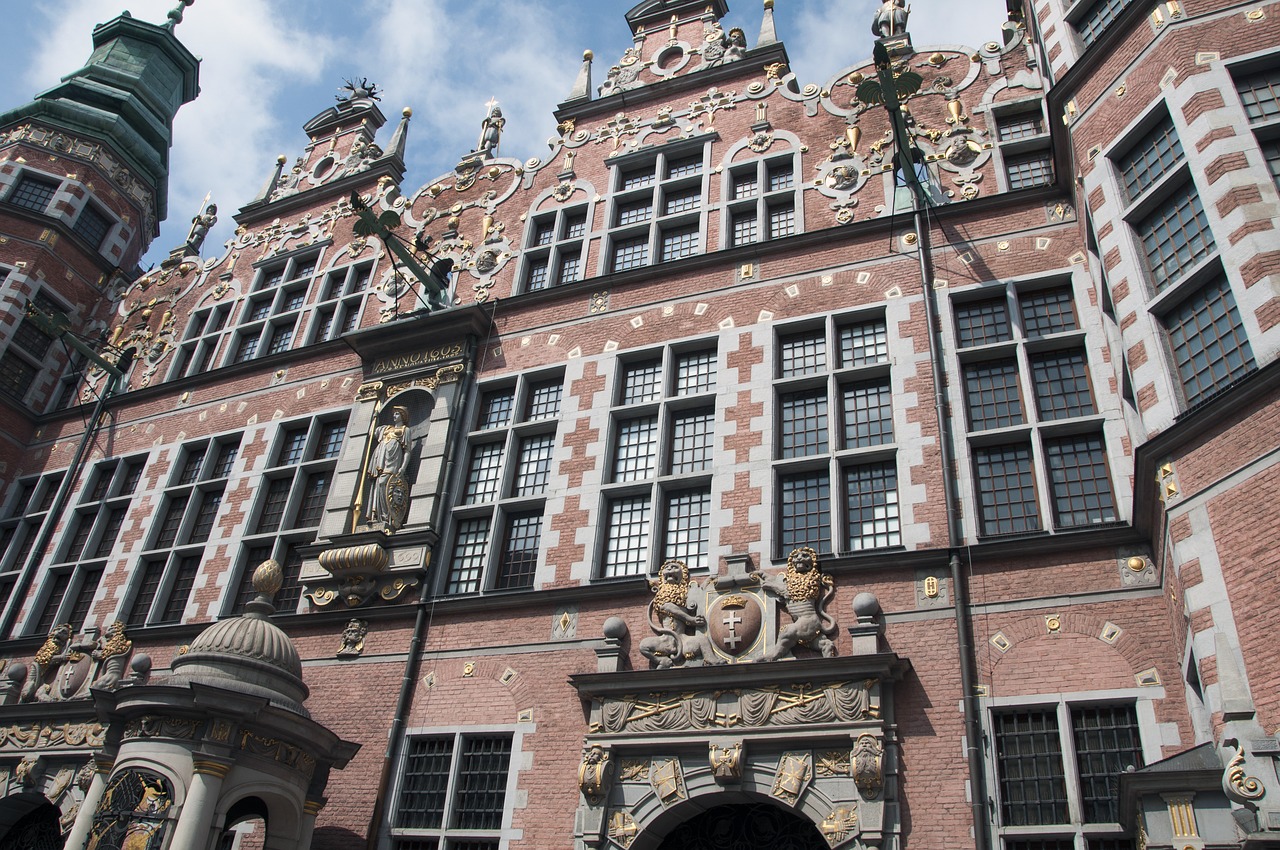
x=38, y=829
x=749, y=826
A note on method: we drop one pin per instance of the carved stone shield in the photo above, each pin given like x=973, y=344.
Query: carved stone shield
x=72, y=675
x=397, y=501
x=735, y=623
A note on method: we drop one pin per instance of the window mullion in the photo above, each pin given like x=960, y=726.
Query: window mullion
x=1070, y=764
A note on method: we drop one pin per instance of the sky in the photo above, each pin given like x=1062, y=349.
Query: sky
x=268, y=66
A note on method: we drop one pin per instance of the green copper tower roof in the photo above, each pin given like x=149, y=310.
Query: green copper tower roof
x=126, y=95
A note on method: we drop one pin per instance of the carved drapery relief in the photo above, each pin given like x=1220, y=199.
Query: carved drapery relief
x=799, y=704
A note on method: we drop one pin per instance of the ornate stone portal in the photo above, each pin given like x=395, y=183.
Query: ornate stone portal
x=814, y=736
x=734, y=618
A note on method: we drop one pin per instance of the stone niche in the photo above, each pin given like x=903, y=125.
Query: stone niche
x=377, y=534
x=815, y=737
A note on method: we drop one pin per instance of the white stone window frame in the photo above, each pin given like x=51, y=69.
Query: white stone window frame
x=514, y=797
x=1105, y=422
x=499, y=511
x=833, y=379
x=658, y=159
x=287, y=533
x=1151, y=732
x=1003, y=112
x=660, y=486
x=279, y=314
x=560, y=246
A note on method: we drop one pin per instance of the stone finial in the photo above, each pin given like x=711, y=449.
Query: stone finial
x=401, y=135
x=268, y=578
x=582, y=86
x=273, y=182
x=768, y=34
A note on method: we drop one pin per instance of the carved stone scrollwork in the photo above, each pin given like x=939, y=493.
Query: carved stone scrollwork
x=595, y=775
x=1237, y=784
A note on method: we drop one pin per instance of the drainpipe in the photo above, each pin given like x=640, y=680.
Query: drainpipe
x=412, y=664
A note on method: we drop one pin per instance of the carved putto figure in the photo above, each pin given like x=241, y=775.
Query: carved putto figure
x=806, y=591
x=491, y=131
x=680, y=630
x=388, y=492
x=891, y=19
x=112, y=653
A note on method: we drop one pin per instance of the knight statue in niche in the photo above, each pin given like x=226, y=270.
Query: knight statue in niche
x=680, y=630
x=388, y=499
x=891, y=19
x=806, y=591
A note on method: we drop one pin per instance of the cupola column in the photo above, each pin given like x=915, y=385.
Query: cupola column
x=84, y=818
x=196, y=819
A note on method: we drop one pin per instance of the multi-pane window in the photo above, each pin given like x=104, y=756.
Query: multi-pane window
x=33, y=193
x=834, y=414
x=1209, y=345
x=1029, y=169
x=91, y=225
x=657, y=498
x=1271, y=153
x=497, y=526
x=28, y=504
x=289, y=505
x=1026, y=379
x=453, y=792
x=1097, y=17
x=195, y=354
x=1058, y=767
x=339, y=302
x=28, y=348
x=657, y=211
x=1019, y=125
x=1260, y=94
x=270, y=315
x=1168, y=218
x=554, y=254
x=185, y=522
x=754, y=214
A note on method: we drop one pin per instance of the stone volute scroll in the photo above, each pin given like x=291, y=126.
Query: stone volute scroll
x=386, y=496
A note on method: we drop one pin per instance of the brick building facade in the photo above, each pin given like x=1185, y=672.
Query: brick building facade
x=755, y=466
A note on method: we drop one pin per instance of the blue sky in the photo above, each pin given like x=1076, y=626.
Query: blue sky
x=270, y=65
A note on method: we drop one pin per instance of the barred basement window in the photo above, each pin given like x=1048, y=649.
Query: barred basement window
x=1207, y=338
x=33, y=193
x=190, y=508
x=835, y=424
x=289, y=506
x=1058, y=767
x=657, y=500
x=453, y=792
x=498, y=519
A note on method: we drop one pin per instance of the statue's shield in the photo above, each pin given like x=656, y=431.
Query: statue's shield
x=72, y=675
x=735, y=622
